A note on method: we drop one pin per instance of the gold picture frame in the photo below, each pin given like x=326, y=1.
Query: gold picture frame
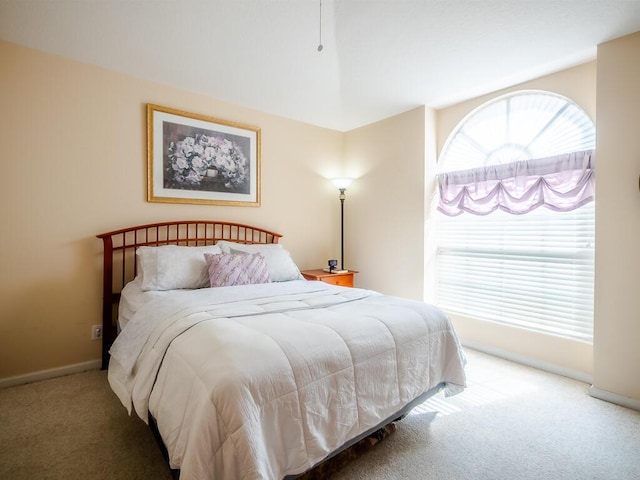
x=198, y=159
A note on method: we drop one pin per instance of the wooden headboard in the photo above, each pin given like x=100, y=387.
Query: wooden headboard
x=120, y=264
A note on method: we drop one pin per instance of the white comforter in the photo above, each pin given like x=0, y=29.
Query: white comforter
x=263, y=381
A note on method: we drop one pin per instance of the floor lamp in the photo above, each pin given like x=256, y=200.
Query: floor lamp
x=342, y=184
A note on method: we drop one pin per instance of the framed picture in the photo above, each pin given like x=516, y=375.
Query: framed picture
x=203, y=160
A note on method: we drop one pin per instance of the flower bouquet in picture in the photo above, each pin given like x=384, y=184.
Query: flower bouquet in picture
x=207, y=162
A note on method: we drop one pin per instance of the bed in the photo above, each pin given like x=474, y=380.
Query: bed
x=244, y=369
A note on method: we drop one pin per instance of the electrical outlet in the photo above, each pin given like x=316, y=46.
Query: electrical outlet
x=96, y=332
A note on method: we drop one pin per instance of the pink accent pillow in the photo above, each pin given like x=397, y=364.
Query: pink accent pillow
x=236, y=269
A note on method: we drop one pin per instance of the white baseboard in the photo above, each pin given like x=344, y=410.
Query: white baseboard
x=530, y=362
x=614, y=398
x=50, y=373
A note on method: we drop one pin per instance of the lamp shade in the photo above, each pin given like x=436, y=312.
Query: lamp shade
x=342, y=183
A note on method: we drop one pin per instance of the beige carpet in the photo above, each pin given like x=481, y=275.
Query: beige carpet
x=512, y=423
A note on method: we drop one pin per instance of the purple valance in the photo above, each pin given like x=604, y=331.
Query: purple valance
x=562, y=183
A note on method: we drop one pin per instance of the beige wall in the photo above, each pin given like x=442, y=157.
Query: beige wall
x=572, y=358
x=617, y=304
x=74, y=165
x=384, y=213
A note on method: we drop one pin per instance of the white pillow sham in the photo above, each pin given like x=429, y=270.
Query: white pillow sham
x=171, y=267
x=281, y=266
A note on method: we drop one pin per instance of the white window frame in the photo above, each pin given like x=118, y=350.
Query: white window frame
x=490, y=268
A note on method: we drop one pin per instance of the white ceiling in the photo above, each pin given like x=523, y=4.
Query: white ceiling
x=380, y=57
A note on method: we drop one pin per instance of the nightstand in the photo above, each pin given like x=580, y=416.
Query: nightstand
x=342, y=279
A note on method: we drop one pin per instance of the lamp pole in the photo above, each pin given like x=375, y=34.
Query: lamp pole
x=342, y=184
x=342, y=197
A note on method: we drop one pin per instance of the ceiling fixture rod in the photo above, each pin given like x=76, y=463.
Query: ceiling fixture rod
x=320, y=44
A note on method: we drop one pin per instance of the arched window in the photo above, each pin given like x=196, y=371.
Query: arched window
x=516, y=240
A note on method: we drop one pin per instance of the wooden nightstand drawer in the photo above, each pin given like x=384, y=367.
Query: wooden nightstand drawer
x=342, y=279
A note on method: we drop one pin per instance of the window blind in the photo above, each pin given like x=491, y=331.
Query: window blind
x=534, y=271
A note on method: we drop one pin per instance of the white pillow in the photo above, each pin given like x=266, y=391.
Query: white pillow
x=281, y=266
x=171, y=267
